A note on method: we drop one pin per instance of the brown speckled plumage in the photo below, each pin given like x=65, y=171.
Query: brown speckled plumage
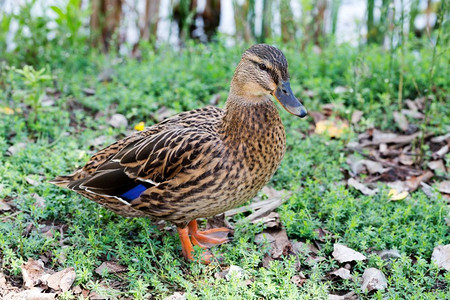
x=198, y=163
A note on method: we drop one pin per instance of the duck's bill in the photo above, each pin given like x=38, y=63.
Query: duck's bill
x=284, y=95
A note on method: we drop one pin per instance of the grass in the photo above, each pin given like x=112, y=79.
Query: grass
x=61, y=139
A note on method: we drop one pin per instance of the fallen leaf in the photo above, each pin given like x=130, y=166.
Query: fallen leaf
x=40, y=202
x=37, y=294
x=176, y=296
x=4, y=206
x=89, y=91
x=62, y=280
x=437, y=165
x=304, y=249
x=394, y=195
x=342, y=273
x=406, y=159
x=317, y=116
x=98, y=141
x=389, y=254
x=348, y=296
x=272, y=220
x=413, y=182
x=379, y=137
x=441, y=152
x=31, y=181
x=6, y=110
x=361, y=187
x=401, y=120
x=444, y=187
x=163, y=113
x=373, y=279
x=2, y=281
x=359, y=165
x=331, y=128
x=32, y=271
x=441, y=138
x=298, y=280
x=118, y=121
x=441, y=256
x=234, y=271
x=139, y=126
x=16, y=148
x=356, y=116
x=413, y=114
x=282, y=246
x=264, y=237
x=344, y=254
x=340, y=89
x=110, y=267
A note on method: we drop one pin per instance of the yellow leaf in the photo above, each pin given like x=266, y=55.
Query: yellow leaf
x=6, y=110
x=331, y=128
x=140, y=126
x=394, y=195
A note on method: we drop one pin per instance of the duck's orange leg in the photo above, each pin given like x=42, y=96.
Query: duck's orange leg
x=187, y=248
x=208, y=238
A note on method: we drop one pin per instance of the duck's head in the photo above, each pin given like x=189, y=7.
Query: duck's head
x=263, y=71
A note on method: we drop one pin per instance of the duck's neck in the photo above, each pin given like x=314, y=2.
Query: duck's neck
x=248, y=120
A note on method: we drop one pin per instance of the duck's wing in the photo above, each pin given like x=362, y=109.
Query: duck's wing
x=147, y=161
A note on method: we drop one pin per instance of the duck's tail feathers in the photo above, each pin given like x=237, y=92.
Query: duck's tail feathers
x=62, y=181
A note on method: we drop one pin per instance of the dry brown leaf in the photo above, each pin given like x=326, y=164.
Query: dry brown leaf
x=31, y=181
x=444, y=187
x=62, y=280
x=110, y=267
x=344, y=254
x=32, y=272
x=361, y=187
x=176, y=296
x=348, y=296
x=437, y=165
x=299, y=279
x=282, y=246
x=379, y=137
x=89, y=91
x=389, y=254
x=413, y=114
x=342, y=273
x=401, y=121
x=356, y=116
x=304, y=249
x=118, y=121
x=4, y=206
x=332, y=128
x=373, y=279
x=406, y=159
x=163, y=113
x=359, y=165
x=441, y=138
x=441, y=256
x=272, y=220
x=413, y=182
x=441, y=152
x=16, y=148
x=40, y=202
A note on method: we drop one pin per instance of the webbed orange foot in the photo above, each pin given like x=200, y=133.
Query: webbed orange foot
x=208, y=238
x=205, y=239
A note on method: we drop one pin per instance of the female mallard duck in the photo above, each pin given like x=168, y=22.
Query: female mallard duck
x=199, y=163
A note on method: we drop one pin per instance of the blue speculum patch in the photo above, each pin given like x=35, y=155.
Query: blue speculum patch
x=134, y=192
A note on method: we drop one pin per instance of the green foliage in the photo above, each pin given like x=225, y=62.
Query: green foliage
x=312, y=169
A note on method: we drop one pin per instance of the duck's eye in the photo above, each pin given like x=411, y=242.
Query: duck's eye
x=262, y=67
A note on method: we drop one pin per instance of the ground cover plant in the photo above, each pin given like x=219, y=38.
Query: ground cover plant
x=54, y=116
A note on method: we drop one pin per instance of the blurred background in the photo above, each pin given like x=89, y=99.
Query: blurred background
x=125, y=24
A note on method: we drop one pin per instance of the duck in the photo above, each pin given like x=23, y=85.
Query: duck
x=198, y=163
